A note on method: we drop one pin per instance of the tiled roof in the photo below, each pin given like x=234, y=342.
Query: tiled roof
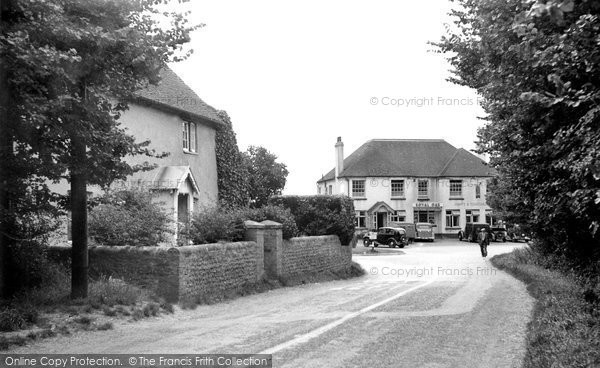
x=173, y=95
x=411, y=158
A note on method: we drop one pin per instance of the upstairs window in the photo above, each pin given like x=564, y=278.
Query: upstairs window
x=423, y=188
x=397, y=188
x=478, y=191
x=358, y=188
x=189, y=137
x=455, y=188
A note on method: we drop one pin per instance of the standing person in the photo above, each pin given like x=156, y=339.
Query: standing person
x=484, y=240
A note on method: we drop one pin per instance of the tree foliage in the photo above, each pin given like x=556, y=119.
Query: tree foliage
x=68, y=69
x=231, y=171
x=536, y=66
x=266, y=176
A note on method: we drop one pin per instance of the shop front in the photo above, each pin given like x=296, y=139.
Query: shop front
x=430, y=212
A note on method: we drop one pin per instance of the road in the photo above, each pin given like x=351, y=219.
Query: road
x=428, y=305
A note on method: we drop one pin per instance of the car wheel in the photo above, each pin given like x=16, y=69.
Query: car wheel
x=503, y=240
x=392, y=243
x=366, y=242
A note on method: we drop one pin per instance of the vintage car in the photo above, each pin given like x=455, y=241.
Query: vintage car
x=471, y=231
x=499, y=233
x=411, y=230
x=424, y=231
x=391, y=236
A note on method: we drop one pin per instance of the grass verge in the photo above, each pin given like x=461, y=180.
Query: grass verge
x=565, y=327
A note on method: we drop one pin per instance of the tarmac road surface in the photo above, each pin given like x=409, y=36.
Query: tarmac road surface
x=427, y=305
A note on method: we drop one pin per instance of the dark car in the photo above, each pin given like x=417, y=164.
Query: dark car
x=499, y=233
x=391, y=236
x=471, y=231
x=411, y=230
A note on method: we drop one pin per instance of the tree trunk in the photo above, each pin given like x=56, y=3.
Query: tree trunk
x=79, y=251
x=5, y=151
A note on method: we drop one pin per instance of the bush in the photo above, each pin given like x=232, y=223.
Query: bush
x=129, y=218
x=219, y=224
x=11, y=320
x=321, y=214
x=216, y=224
x=275, y=213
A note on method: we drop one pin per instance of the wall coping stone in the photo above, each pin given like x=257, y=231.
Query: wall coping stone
x=268, y=224
x=249, y=224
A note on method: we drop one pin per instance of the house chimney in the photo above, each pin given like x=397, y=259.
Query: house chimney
x=339, y=157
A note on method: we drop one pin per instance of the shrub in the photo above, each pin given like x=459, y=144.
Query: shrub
x=321, y=214
x=129, y=217
x=215, y=224
x=219, y=224
x=274, y=213
x=11, y=320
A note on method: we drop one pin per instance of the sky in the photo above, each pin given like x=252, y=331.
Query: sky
x=295, y=75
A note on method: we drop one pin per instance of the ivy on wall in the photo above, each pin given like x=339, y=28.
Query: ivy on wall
x=231, y=171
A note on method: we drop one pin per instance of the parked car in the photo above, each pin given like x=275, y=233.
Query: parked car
x=518, y=237
x=471, y=230
x=516, y=234
x=499, y=233
x=424, y=231
x=411, y=230
x=369, y=237
x=392, y=236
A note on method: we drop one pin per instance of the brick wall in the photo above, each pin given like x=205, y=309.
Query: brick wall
x=313, y=254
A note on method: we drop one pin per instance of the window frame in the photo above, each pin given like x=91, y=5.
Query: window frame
x=419, y=193
x=400, y=193
x=453, y=185
x=454, y=217
x=189, y=137
x=357, y=194
x=470, y=214
x=360, y=216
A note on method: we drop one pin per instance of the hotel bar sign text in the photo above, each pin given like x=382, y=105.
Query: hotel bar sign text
x=428, y=205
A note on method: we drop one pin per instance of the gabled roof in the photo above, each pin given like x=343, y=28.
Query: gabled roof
x=411, y=158
x=380, y=205
x=172, y=177
x=173, y=95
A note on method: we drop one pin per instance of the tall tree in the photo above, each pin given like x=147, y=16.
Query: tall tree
x=231, y=171
x=537, y=66
x=71, y=66
x=266, y=176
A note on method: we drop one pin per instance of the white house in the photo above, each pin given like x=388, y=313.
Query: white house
x=411, y=180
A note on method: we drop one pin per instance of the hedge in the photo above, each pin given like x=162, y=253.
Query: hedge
x=321, y=214
x=227, y=224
